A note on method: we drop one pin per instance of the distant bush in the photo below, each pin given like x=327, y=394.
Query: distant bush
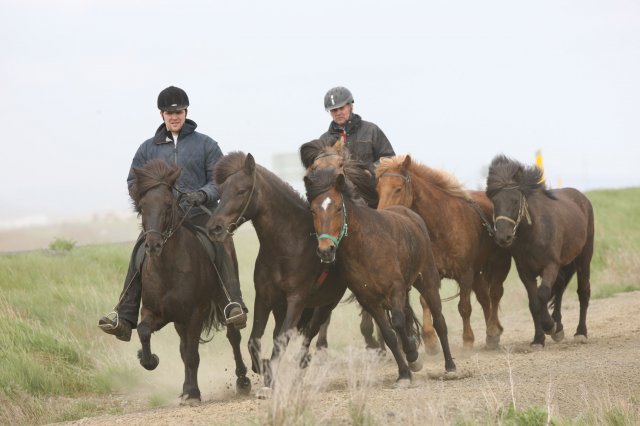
x=61, y=245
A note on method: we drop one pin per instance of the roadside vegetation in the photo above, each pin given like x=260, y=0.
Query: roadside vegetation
x=55, y=364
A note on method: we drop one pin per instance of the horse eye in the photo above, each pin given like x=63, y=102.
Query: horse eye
x=242, y=191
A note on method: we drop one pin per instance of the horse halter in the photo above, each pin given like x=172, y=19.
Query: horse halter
x=233, y=226
x=343, y=228
x=523, y=211
x=406, y=178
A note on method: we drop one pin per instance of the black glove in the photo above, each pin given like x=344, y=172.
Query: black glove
x=196, y=198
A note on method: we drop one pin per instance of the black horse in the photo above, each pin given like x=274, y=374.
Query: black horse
x=179, y=282
x=550, y=235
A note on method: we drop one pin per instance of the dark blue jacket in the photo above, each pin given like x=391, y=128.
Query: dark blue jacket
x=195, y=154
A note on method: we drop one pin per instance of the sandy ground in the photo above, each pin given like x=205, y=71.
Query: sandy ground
x=568, y=379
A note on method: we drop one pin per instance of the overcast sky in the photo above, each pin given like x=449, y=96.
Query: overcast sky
x=453, y=83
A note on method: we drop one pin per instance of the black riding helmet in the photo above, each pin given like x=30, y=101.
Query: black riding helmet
x=337, y=97
x=173, y=99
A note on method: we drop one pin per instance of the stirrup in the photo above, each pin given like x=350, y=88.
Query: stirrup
x=234, y=319
x=114, y=323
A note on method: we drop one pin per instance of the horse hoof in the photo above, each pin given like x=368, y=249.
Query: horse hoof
x=492, y=342
x=264, y=393
x=557, y=337
x=580, y=338
x=243, y=386
x=451, y=375
x=190, y=401
x=552, y=330
x=152, y=364
x=416, y=365
x=537, y=346
x=402, y=384
x=431, y=350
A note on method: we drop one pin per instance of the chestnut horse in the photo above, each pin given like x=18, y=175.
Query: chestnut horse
x=287, y=271
x=458, y=225
x=382, y=253
x=179, y=281
x=550, y=235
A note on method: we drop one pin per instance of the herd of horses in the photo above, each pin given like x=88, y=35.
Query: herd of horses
x=377, y=232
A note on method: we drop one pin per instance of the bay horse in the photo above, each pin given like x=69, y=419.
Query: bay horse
x=323, y=153
x=550, y=235
x=382, y=254
x=461, y=235
x=287, y=272
x=179, y=281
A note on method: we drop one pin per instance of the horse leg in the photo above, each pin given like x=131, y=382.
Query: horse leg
x=243, y=384
x=559, y=287
x=428, y=332
x=366, y=328
x=261, y=310
x=494, y=274
x=410, y=332
x=322, y=343
x=146, y=327
x=390, y=339
x=482, y=292
x=189, y=343
x=465, y=281
x=583, y=267
x=321, y=316
x=549, y=276
x=428, y=284
x=530, y=285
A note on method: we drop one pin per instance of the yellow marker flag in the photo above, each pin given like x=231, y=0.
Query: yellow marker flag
x=540, y=164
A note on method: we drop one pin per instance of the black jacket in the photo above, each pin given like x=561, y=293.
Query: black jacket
x=365, y=141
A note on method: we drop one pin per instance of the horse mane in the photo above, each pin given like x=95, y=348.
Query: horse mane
x=506, y=173
x=150, y=175
x=321, y=180
x=441, y=179
x=234, y=162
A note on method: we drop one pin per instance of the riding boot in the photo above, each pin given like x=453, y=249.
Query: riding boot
x=125, y=315
x=234, y=309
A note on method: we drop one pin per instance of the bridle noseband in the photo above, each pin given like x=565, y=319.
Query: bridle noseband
x=343, y=229
x=233, y=226
x=523, y=211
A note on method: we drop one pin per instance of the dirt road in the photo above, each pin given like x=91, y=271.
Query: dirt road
x=567, y=378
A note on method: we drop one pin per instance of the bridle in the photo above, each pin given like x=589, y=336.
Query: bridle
x=523, y=211
x=172, y=229
x=406, y=182
x=233, y=226
x=343, y=229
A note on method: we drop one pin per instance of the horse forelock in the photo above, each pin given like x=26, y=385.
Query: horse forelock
x=321, y=180
x=228, y=165
x=154, y=172
x=506, y=173
x=441, y=179
x=311, y=150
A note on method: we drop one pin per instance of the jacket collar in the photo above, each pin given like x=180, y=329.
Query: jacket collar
x=164, y=136
x=350, y=127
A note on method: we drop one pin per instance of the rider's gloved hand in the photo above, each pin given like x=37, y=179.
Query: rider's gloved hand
x=196, y=198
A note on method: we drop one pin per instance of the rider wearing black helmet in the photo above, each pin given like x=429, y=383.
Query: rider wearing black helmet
x=177, y=142
x=365, y=141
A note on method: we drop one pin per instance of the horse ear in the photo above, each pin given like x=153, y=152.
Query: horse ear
x=339, y=145
x=406, y=164
x=173, y=177
x=249, y=164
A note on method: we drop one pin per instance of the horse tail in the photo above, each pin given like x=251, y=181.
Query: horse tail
x=450, y=298
x=213, y=321
x=416, y=325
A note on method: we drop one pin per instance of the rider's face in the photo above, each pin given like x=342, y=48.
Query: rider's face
x=174, y=120
x=341, y=115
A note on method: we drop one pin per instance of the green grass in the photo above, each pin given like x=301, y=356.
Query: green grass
x=51, y=349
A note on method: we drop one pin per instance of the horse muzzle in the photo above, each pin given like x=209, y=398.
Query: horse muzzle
x=328, y=254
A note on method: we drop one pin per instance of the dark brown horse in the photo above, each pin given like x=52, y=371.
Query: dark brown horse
x=322, y=154
x=287, y=271
x=179, y=282
x=550, y=235
x=458, y=225
x=382, y=253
